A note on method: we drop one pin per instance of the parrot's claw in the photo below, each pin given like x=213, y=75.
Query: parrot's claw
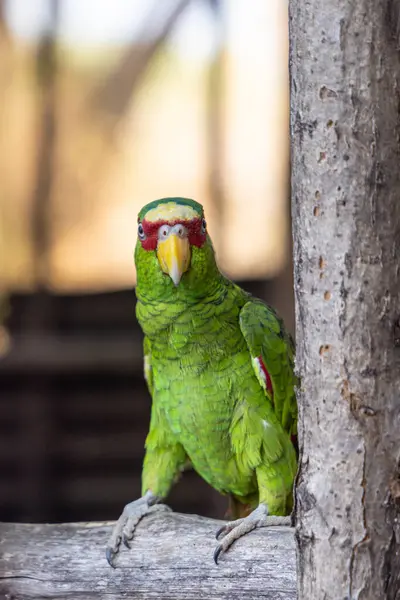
x=126, y=524
x=217, y=552
x=110, y=556
x=233, y=530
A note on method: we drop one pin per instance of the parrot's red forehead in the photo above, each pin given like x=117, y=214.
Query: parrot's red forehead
x=197, y=235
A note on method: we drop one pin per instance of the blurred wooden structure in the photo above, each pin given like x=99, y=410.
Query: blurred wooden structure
x=88, y=130
x=74, y=409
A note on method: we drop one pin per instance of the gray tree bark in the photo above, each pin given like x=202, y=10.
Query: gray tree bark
x=170, y=559
x=345, y=120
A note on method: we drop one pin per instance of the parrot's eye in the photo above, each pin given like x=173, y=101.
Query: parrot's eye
x=179, y=230
x=141, y=233
x=203, y=226
x=163, y=232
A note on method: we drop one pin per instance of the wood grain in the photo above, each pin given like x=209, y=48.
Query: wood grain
x=170, y=558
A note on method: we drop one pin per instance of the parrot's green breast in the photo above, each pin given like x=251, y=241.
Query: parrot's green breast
x=202, y=370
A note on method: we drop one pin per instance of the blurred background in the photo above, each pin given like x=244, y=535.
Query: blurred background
x=106, y=106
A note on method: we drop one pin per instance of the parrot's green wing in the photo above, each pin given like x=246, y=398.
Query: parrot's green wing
x=272, y=353
x=148, y=372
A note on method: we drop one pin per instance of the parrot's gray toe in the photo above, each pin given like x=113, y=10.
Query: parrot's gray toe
x=125, y=526
x=230, y=535
x=233, y=530
x=227, y=527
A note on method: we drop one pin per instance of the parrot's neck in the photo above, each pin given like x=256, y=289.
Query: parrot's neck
x=158, y=314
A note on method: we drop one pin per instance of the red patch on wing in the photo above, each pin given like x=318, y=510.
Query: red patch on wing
x=268, y=381
x=196, y=236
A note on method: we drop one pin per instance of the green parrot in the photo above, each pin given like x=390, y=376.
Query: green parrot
x=219, y=366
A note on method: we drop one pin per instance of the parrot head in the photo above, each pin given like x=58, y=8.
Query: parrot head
x=173, y=249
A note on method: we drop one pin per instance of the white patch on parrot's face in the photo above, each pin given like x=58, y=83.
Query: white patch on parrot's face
x=165, y=231
x=170, y=211
x=266, y=424
x=259, y=372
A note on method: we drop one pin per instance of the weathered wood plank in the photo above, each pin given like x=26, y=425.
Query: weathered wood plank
x=170, y=558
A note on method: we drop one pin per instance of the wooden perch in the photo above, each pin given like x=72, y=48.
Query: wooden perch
x=170, y=558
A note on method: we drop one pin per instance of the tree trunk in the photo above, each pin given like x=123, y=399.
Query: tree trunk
x=345, y=119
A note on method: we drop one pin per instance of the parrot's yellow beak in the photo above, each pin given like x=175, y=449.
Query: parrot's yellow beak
x=174, y=256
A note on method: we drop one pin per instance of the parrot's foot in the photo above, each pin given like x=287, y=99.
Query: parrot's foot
x=126, y=524
x=233, y=530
